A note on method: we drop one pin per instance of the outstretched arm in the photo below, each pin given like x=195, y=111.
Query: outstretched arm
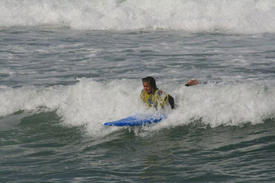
x=192, y=82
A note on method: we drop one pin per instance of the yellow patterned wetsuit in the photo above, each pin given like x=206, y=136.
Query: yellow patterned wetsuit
x=155, y=99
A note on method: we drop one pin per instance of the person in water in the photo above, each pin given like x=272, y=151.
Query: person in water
x=152, y=96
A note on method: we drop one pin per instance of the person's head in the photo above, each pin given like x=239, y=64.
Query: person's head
x=149, y=84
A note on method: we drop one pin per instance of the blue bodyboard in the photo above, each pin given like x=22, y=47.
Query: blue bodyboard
x=137, y=120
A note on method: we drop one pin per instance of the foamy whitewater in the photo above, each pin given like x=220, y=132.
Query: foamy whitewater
x=66, y=67
x=245, y=16
x=92, y=103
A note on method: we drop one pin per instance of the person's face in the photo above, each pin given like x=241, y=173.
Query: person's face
x=147, y=87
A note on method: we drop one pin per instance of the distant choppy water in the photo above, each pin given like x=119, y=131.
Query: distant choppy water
x=58, y=85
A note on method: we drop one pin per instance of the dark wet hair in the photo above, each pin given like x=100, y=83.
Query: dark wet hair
x=151, y=81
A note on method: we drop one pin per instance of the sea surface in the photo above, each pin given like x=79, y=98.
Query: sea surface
x=67, y=66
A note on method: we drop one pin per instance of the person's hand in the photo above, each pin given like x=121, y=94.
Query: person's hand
x=192, y=82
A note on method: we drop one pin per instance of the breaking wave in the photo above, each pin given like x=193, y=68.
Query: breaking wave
x=237, y=16
x=92, y=103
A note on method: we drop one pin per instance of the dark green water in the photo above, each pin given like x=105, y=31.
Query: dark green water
x=39, y=148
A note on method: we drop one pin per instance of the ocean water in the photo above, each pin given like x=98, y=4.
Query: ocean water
x=66, y=67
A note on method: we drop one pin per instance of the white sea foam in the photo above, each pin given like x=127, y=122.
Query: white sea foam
x=224, y=105
x=241, y=16
x=87, y=103
x=92, y=103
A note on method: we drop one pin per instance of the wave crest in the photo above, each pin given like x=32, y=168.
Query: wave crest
x=93, y=103
x=247, y=16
